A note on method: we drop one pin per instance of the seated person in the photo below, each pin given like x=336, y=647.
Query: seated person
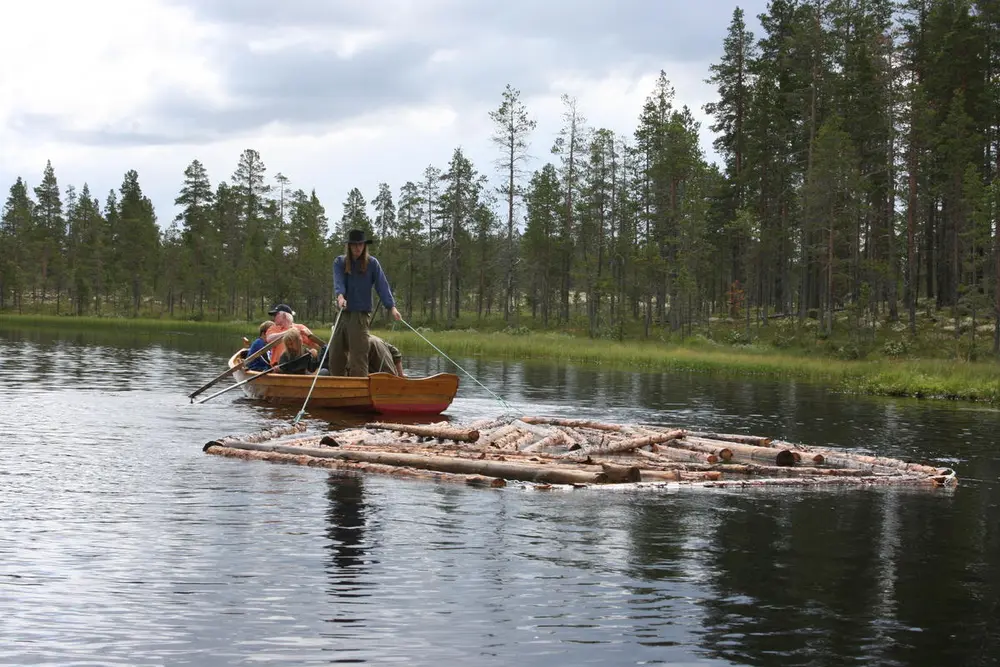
x=260, y=363
x=383, y=357
x=294, y=359
x=284, y=320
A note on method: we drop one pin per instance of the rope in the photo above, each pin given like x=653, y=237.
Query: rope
x=333, y=329
x=502, y=402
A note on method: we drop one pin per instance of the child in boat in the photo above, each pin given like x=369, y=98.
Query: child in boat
x=260, y=363
x=295, y=360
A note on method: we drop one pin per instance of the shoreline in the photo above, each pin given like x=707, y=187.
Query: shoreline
x=936, y=379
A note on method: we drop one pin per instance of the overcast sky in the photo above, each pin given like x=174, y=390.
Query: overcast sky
x=334, y=94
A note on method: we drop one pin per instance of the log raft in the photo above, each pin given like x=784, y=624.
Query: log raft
x=547, y=452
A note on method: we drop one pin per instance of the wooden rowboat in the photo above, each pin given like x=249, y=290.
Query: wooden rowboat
x=379, y=392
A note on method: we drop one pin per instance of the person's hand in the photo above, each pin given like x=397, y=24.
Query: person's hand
x=395, y=313
x=341, y=301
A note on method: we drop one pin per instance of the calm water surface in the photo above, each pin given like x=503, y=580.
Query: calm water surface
x=121, y=542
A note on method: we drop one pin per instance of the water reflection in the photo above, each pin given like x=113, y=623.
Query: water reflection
x=346, y=517
x=109, y=505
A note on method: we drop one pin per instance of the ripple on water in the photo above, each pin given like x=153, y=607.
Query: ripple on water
x=121, y=542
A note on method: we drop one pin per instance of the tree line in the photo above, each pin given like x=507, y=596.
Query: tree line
x=860, y=146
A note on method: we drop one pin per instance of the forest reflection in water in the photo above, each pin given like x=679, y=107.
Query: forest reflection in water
x=112, y=514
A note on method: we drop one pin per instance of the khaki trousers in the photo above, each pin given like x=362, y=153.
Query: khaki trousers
x=349, y=347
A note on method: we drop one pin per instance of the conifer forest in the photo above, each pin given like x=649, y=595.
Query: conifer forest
x=860, y=170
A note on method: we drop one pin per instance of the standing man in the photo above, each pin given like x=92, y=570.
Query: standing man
x=355, y=274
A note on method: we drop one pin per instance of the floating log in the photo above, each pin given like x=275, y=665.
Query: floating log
x=574, y=453
x=491, y=438
x=433, y=431
x=758, y=440
x=575, y=423
x=574, y=436
x=266, y=434
x=677, y=454
x=552, y=440
x=618, y=474
x=698, y=444
x=770, y=455
x=624, y=445
x=875, y=462
x=503, y=469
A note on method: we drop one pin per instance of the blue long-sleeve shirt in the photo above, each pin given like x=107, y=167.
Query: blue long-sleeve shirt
x=357, y=287
x=260, y=363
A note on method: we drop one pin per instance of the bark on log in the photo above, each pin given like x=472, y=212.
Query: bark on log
x=574, y=436
x=493, y=436
x=433, y=431
x=698, y=444
x=539, y=431
x=502, y=469
x=353, y=466
x=554, y=439
x=757, y=440
x=618, y=474
x=879, y=463
x=577, y=423
x=796, y=471
x=677, y=454
x=648, y=475
x=510, y=440
x=483, y=425
x=266, y=434
x=770, y=455
x=623, y=445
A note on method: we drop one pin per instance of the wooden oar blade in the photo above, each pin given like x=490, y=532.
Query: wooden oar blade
x=229, y=371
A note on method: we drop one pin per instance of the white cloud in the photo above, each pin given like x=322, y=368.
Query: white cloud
x=106, y=65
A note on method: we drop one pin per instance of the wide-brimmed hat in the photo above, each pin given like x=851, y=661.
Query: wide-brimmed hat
x=281, y=308
x=358, y=236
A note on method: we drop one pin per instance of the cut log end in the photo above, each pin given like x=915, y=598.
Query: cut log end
x=785, y=457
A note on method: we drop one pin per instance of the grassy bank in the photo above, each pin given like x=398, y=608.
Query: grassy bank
x=924, y=378
x=890, y=365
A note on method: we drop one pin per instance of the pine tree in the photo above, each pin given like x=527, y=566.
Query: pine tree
x=457, y=206
x=50, y=227
x=16, y=232
x=138, y=239
x=411, y=240
x=309, y=256
x=511, y=131
x=429, y=193
x=199, y=235
x=250, y=191
x=114, y=272
x=569, y=145
x=355, y=215
x=734, y=79
x=545, y=201
x=385, y=213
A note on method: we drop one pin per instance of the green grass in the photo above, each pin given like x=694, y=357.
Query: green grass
x=934, y=364
x=929, y=378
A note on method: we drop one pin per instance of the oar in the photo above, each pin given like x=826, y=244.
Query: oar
x=229, y=371
x=333, y=331
x=254, y=377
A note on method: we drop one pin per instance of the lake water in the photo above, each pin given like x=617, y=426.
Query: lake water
x=121, y=542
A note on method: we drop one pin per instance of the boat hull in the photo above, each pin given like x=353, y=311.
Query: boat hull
x=379, y=392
